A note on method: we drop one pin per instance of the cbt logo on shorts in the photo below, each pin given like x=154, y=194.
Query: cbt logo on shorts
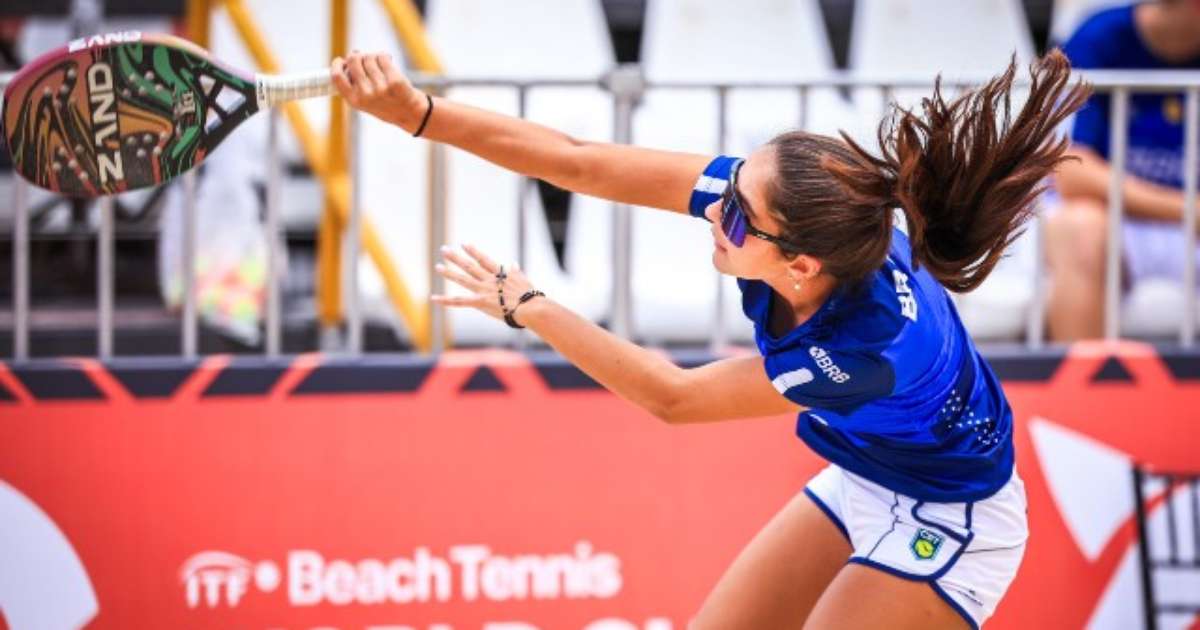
x=925, y=544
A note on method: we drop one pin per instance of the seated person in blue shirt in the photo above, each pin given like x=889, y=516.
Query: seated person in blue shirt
x=919, y=520
x=1161, y=35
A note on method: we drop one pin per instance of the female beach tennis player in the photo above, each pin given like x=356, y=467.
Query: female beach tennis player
x=919, y=520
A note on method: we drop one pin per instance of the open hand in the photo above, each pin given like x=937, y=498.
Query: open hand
x=480, y=276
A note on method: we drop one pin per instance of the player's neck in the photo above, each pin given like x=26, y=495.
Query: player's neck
x=1171, y=31
x=797, y=306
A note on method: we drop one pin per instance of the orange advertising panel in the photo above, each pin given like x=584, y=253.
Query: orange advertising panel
x=489, y=491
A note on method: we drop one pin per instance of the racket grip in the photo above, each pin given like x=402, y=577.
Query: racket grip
x=273, y=89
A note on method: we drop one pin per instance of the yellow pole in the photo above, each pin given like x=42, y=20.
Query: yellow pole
x=199, y=12
x=337, y=188
x=329, y=236
x=406, y=21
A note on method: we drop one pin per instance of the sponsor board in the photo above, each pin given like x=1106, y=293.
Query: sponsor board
x=488, y=492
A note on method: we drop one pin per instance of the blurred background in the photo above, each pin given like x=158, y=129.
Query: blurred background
x=566, y=239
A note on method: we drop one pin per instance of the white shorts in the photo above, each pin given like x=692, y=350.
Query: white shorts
x=968, y=552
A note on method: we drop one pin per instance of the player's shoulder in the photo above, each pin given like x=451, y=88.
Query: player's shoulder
x=900, y=311
x=830, y=371
x=1102, y=38
x=1108, y=21
x=870, y=316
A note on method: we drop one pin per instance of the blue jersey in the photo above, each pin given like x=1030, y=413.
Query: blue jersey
x=1109, y=40
x=894, y=387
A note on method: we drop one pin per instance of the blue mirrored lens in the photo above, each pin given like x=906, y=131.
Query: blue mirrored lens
x=733, y=221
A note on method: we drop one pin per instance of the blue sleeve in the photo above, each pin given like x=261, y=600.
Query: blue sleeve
x=710, y=184
x=1086, y=49
x=1091, y=125
x=837, y=380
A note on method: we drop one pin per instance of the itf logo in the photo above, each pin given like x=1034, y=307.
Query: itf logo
x=216, y=577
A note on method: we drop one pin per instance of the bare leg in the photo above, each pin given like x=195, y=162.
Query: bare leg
x=1075, y=250
x=775, y=581
x=863, y=597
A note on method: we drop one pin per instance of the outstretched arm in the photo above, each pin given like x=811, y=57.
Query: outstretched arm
x=722, y=390
x=1089, y=176
x=646, y=177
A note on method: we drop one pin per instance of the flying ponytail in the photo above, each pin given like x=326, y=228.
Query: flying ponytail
x=965, y=173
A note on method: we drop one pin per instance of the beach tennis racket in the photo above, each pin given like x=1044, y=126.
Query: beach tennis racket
x=112, y=113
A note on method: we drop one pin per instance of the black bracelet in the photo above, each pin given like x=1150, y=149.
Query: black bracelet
x=528, y=295
x=425, y=120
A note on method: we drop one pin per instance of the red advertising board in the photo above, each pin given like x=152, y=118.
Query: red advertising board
x=487, y=491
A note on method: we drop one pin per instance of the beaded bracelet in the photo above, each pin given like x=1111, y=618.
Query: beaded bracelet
x=508, y=315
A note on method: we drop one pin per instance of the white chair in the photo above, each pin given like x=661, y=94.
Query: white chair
x=674, y=283
x=923, y=37
x=1001, y=307
x=560, y=40
x=1154, y=305
x=1154, y=309
x=960, y=39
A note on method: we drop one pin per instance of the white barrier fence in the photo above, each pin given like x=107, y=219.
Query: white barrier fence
x=627, y=88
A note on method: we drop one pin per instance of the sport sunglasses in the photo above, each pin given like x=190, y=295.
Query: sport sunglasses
x=734, y=223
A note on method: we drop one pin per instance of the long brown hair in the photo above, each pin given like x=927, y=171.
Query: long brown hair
x=965, y=173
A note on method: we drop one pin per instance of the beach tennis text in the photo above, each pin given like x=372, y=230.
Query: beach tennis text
x=468, y=572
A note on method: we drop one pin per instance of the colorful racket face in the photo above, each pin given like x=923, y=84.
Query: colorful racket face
x=112, y=113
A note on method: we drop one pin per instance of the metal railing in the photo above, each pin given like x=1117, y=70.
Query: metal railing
x=326, y=158
x=627, y=87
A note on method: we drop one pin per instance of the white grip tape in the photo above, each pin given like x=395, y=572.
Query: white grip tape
x=273, y=89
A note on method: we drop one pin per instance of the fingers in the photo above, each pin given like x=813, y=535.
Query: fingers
x=372, y=82
x=358, y=76
x=396, y=80
x=467, y=265
x=457, y=277
x=374, y=73
x=487, y=263
x=477, y=273
x=453, y=300
x=341, y=81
